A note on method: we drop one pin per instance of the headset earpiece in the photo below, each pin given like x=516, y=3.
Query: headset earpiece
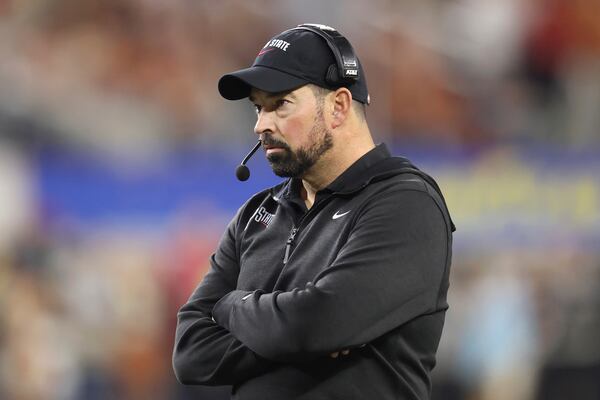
x=332, y=77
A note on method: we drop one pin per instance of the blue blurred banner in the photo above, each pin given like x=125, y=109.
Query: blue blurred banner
x=95, y=190
x=498, y=197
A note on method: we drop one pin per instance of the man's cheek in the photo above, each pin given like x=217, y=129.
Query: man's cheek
x=294, y=130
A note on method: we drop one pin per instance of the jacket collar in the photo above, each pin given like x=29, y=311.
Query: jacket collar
x=374, y=165
x=358, y=174
x=353, y=178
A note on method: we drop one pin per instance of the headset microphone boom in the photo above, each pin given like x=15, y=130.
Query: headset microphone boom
x=242, y=172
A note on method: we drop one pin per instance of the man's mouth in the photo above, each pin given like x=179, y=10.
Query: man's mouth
x=273, y=149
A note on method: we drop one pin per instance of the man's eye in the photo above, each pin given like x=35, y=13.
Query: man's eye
x=281, y=102
x=257, y=108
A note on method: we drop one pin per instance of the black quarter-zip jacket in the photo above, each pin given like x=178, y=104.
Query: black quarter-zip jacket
x=365, y=269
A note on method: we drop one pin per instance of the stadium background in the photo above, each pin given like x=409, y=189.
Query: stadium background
x=116, y=168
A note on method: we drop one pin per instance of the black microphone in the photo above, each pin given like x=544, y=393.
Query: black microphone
x=242, y=172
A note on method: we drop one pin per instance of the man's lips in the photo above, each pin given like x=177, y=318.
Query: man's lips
x=272, y=146
x=273, y=149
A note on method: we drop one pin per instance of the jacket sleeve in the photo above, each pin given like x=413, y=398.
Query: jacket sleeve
x=389, y=271
x=204, y=352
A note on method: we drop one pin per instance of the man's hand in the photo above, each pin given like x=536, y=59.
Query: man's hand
x=344, y=352
x=336, y=354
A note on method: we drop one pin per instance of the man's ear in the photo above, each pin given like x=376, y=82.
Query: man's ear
x=342, y=105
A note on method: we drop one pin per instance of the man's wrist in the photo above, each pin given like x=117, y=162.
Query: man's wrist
x=222, y=309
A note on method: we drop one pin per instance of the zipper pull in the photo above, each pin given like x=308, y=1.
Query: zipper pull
x=288, y=245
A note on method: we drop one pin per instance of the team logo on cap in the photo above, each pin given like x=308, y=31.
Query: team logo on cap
x=274, y=44
x=263, y=51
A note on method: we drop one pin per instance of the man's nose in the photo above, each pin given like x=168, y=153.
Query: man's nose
x=264, y=122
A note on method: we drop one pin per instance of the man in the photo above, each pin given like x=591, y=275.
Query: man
x=332, y=284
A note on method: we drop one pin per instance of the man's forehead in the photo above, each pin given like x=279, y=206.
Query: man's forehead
x=261, y=95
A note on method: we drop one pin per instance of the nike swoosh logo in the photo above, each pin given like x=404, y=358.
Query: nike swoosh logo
x=337, y=215
x=263, y=51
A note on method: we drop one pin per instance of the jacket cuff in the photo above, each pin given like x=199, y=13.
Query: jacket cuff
x=222, y=309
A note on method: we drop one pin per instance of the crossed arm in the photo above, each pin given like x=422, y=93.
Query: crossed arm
x=205, y=352
x=388, y=272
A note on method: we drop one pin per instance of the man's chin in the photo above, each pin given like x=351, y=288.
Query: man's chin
x=279, y=164
x=282, y=171
x=274, y=159
x=286, y=166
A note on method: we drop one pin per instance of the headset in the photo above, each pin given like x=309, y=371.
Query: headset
x=345, y=70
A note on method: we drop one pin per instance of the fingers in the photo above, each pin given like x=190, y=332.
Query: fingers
x=336, y=354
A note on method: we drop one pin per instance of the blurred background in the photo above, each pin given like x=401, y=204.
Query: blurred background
x=116, y=180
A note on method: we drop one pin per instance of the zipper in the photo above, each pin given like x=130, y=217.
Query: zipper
x=290, y=241
x=316, y=207
x=288, y=244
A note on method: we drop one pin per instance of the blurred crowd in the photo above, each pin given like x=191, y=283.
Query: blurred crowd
x=87, y=311
x=459, y=71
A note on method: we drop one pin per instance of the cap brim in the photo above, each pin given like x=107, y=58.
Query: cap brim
x=237, y=85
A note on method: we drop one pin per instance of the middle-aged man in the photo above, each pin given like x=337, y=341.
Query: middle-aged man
x=332, y=284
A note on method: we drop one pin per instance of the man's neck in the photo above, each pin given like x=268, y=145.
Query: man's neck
x=326, y=170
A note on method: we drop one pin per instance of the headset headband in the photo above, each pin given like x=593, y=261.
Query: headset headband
x=346, y=60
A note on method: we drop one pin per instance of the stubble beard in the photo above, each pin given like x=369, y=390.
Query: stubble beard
x=288, y=163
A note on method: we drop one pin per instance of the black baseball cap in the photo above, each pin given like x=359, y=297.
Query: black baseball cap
x=289, y=60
